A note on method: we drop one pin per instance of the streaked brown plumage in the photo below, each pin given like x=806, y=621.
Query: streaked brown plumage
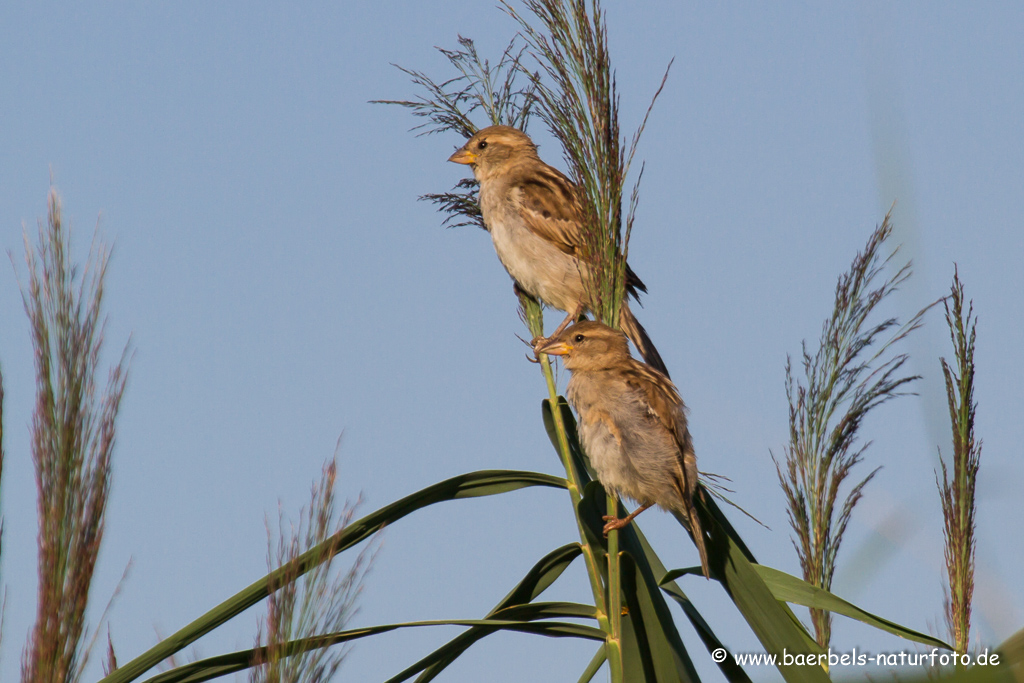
x=632, y=425
x=533, y=214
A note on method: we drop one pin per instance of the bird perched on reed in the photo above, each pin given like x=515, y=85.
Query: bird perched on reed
x=632, y=425
x=533, y=214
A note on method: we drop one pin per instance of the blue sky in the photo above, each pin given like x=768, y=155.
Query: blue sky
x=282, y=285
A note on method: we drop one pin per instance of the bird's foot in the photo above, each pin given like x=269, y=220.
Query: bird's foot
x=612, y=523
x=533, y=343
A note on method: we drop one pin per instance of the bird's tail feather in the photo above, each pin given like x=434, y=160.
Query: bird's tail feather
x=638, y=335
x=689, y=491
x=698, y=540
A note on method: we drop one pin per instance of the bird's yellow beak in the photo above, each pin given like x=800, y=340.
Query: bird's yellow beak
x=463, y=156
x=554, y=347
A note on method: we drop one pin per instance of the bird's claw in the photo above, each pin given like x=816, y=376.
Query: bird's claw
x=537, y=342
x=612, y=523
x=533, y=345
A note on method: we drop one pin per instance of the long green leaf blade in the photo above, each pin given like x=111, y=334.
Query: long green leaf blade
x=732, y=671
x=536, y=581
x=772, y=621
x=1013, y=647
x=544, y=573
x=600, y=657
x=221, y=665
x=793, y=589
x=474, y=484
x=651, y=642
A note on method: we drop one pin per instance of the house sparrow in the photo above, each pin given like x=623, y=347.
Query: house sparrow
x=632, y=425
x=533, y=214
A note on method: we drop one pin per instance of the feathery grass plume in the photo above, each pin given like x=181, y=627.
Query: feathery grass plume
x=957, y=491
x=497, y=91
x=317, y=603
x=581, y=108
x=73, y=435
x=850, y=374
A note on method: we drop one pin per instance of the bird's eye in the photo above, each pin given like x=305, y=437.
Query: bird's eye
x=482, y=144
x=579, y=338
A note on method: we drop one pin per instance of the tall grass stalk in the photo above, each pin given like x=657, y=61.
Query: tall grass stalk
x=579, y=102
x=73, y=436
x=609, y=619
x=310, y=604
x=851, y=373
x=447, y=105
x=956, y=488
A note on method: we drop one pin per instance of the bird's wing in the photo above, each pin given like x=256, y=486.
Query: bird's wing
x=664, y=403
x=659, y=394
x=550, y=207
x=548, y=203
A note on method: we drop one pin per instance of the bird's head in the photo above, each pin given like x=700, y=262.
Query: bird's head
x=492, y=148
x=588, y=345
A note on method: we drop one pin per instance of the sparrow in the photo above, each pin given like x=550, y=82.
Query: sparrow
x=533, y=214
x=632, y=424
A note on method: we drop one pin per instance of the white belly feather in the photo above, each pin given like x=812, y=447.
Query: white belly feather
x=540, y=268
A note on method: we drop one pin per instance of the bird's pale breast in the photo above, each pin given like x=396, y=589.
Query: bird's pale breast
x=631, y=451
x=540, y=267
